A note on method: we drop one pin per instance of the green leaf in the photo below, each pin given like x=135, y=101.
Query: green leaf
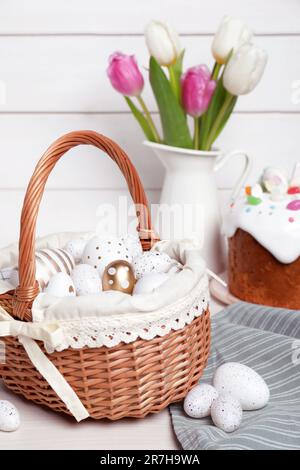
x=216, y=104
x=175, y=71
x=173, y=119
x=139, y=116
x=211, y=114
x=226, y=117
x=221, y=119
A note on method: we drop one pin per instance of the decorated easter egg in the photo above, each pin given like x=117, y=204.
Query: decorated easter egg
x=274, y=178
x=60, y=285
x=294, y=205
x=133, y=243
x=86, y=280
x=9, y=416
x=150, y=282
x=243, y=383
x=152, y=261
x=75, y=248
x=50, y=261
x=119, y=276
x=226, y=413
x=99, y=252
x=198, y=402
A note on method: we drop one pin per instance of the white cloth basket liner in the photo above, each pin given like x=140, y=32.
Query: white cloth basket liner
x=113, y=317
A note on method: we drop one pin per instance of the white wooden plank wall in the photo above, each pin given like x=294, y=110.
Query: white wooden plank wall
x=53, y=56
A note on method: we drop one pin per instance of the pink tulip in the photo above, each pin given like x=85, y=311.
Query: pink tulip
x=197, y=90
x=125, y=75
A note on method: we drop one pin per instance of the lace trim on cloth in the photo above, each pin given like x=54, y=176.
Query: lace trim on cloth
x=95, y=332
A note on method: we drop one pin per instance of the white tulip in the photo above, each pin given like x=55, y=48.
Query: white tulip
x=231, y=34
x=244, y=69
x=162, y=42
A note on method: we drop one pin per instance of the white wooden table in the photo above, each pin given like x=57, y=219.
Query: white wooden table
x=43, y=429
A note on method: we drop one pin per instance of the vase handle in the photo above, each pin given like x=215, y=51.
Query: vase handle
x=224, y=158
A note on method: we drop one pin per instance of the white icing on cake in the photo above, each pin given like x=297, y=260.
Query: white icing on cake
x=271, y=223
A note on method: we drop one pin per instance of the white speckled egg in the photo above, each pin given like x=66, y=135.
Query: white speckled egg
x=86, y=280
x=76, y=248
x=133, y=243
x=151, y=261
x=243, y=383
x=226, y=413
x=61, y=285
x=9, y=416
x=99, y=252
x=150, y=282
x=198, y=402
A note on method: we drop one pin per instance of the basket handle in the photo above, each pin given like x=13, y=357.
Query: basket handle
x=28, y=288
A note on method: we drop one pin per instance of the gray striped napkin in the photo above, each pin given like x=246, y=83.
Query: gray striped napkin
x=268, y=340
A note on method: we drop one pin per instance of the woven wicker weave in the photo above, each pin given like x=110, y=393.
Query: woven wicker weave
x=126, y=380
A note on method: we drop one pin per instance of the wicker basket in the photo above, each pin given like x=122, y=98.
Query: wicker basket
x=126, y=380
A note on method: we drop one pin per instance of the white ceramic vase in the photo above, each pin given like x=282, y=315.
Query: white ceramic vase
x=189, y=205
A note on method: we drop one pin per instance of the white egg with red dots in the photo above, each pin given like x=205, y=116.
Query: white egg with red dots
x=100, y=252
x=199, y=400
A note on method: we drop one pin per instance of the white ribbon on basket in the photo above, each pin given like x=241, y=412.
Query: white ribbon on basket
x=50, y=333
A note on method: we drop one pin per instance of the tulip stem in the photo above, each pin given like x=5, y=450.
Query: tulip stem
x=174, y=82
x=218, y=121
x=216, y=70
x=196, y=133
x=149, y=118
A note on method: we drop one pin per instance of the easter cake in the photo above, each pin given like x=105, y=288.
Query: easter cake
x=263, y=231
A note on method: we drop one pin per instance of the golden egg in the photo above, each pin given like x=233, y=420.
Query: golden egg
x=119, y=275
